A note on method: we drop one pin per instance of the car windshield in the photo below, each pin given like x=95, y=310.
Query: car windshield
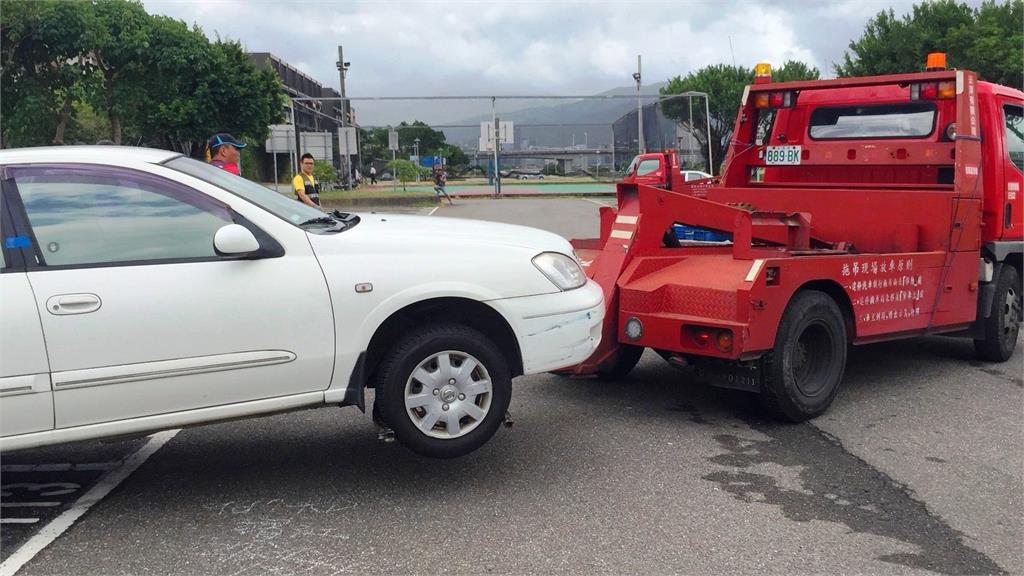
x=282, y=206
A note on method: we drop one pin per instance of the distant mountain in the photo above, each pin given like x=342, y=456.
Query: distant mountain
x=559, y=123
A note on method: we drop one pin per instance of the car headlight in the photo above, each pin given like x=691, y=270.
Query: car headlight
x=562, y=270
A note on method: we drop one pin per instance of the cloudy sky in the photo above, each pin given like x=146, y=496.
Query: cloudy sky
x=528, y=46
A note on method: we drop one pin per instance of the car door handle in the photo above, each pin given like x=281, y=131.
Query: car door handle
x=64, y=304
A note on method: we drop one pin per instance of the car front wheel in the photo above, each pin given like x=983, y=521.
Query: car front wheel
x=444, y=390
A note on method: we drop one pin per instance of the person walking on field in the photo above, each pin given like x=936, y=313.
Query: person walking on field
x=373, y=174
x=307, y=189
x=440, y=181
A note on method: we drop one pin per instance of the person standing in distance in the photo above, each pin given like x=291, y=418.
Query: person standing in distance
x=373, y=174
x=222, y=151
x=307, y=189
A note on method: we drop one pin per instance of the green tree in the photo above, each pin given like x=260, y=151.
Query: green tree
x=987, y=39
x=120, y=50
x=724, y=86
x=151, y=77
x=374, y=144
x=43, y=68
x=453, y=155
x=403, y=170
x=430, y=140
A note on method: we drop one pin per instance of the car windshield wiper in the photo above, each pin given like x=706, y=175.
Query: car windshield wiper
x=320, y=220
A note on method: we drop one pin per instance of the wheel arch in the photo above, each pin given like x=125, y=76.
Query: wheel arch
x=838, y=294
x=458, y=310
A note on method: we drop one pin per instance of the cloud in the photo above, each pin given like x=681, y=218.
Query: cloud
x=529, y=46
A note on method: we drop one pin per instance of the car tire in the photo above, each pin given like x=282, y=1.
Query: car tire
x=802, y=373
x=625, y=360
x=438, y=404
x=1002, y=326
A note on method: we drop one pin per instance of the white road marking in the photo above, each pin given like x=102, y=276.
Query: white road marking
x=434, y=210
x=29, y=504
x=58, y=525
x=64, y=467
x=16, y=521
x=596, y=202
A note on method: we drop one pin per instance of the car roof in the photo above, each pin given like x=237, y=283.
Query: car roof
x=103, y=154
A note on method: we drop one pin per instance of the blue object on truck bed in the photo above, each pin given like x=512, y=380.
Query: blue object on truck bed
x=695, y=234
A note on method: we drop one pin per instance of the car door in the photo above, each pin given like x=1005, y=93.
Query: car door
x=142, y=317
x=26, y=399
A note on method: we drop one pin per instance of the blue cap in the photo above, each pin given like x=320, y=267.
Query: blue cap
x=222, y=138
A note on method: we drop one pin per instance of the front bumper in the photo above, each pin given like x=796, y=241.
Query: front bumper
x=555, y=330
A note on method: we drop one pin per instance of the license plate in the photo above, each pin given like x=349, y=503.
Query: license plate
x=782, y=155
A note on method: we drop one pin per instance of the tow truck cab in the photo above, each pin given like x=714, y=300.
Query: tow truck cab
x=853, y=210
x=663, y=170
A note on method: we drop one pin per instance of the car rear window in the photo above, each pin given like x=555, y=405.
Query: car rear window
x=903, y=120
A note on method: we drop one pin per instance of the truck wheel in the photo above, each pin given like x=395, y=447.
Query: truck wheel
x=1003, y=324
x=444, y=390
x=625, y=360
x=801, y=375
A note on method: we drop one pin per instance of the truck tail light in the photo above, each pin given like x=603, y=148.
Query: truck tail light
x=724, y=341
x=781, y=99
x=704, y=337
x=774, y=99
x=932, y=91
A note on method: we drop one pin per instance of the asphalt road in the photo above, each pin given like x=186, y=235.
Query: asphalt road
x=918, y=468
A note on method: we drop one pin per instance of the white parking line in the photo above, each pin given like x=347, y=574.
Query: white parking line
x=28, y=504
x=16, y=521
x=596, y=202
x=63, y=467
x=432, y=211
x=58, y=525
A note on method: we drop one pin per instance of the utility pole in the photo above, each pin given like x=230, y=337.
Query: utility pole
x=342, y=68
x=639, y=108
x=497, y=147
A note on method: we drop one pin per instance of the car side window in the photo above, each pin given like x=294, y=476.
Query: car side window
x=96, y=214
x=1014, y=119
x=647, y=167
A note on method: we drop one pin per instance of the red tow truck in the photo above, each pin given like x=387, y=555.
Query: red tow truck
x=850, y=211
x=663, y=170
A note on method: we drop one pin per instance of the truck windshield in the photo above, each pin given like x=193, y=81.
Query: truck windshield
x=905, y=120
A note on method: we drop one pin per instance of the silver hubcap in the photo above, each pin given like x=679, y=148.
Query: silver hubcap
x=448, y=394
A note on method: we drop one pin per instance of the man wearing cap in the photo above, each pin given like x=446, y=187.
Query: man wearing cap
x=223, y=150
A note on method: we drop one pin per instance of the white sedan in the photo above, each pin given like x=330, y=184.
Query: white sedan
x=144, y=290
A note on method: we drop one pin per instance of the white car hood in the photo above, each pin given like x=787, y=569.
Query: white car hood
x=459, y=231
x=486, y=260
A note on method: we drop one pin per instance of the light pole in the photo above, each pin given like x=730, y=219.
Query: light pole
x=342, y=69
x=639, y=107
x=416, y=147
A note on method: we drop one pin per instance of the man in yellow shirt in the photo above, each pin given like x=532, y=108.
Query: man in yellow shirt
x=307, y=189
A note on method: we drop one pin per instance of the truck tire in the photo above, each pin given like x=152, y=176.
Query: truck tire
x=1003, y=324
x=625, y=360
x=444, y=390
x=801, y=375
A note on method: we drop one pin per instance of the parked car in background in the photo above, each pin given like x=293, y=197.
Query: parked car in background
x=691, y=175
x=143, y=290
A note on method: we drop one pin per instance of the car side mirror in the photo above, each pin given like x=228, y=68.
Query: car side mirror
x=235, y=240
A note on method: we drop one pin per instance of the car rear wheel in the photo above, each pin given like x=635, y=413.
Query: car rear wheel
x=802, y=373
x=1003, y=324
x=444, y=390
